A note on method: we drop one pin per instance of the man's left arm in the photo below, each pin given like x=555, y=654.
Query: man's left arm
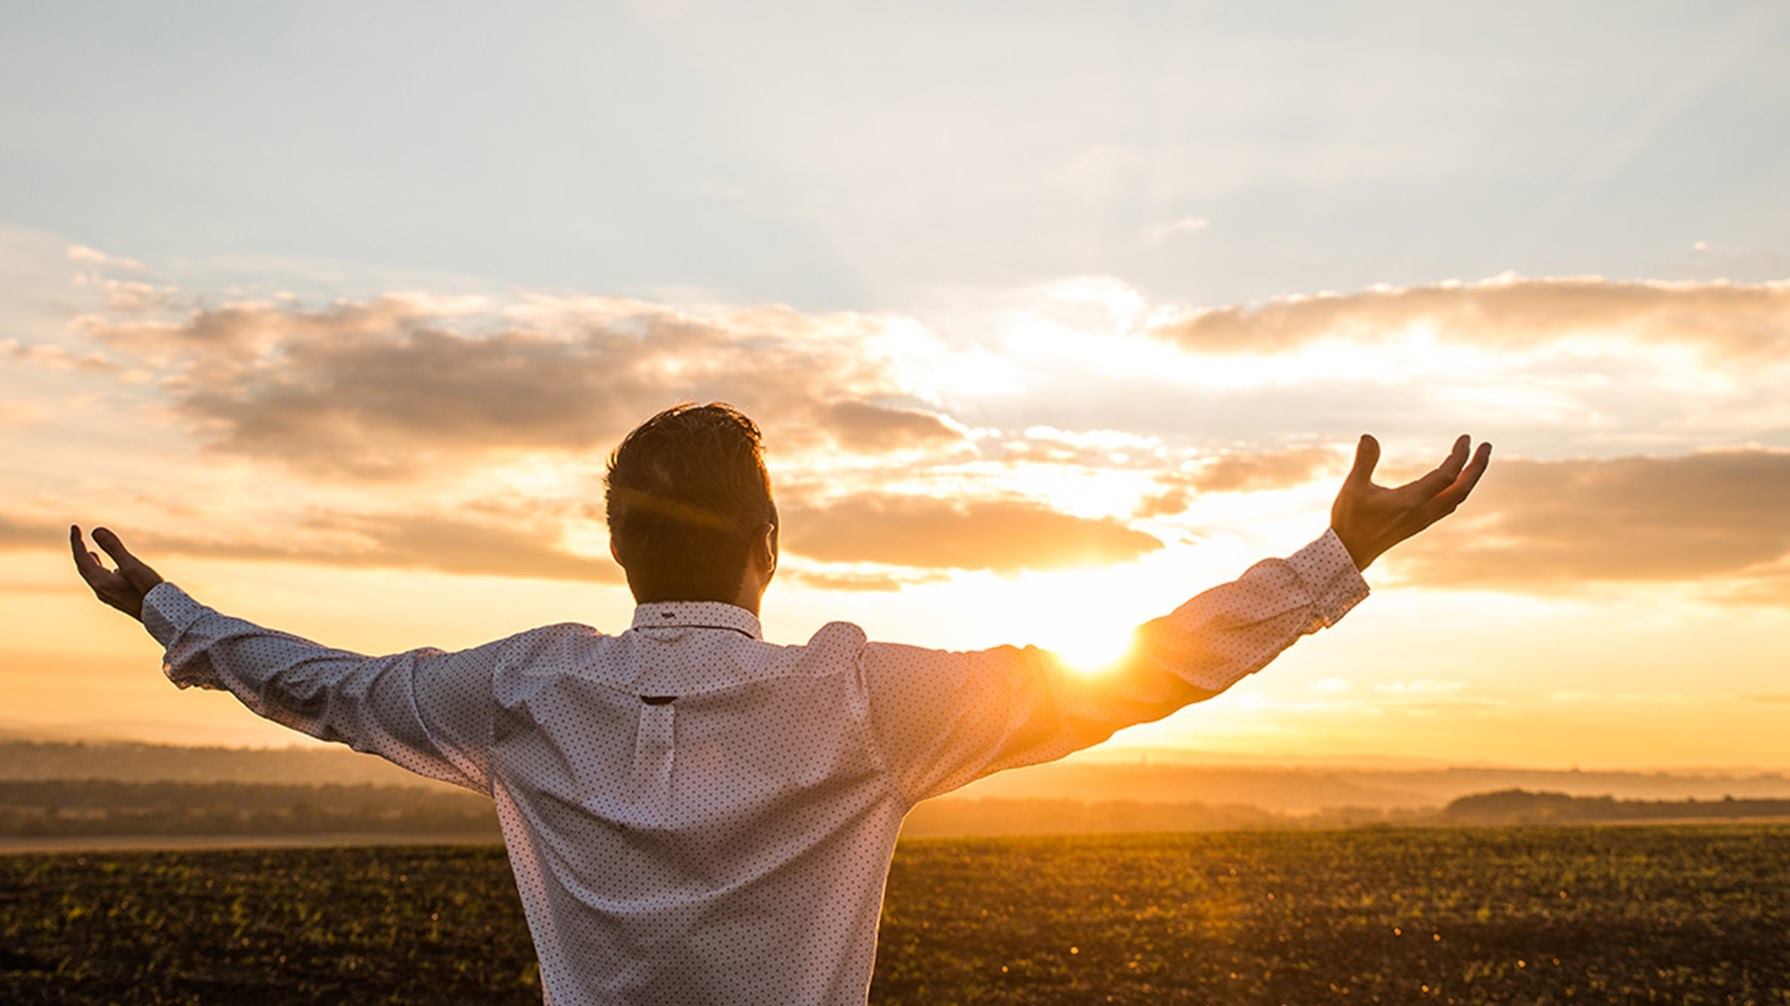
x=425, y=709
x=942, y=719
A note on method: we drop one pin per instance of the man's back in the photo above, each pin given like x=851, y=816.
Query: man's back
x=693, y=815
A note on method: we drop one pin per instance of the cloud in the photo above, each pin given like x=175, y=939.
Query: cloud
x=921, y=535
x=27, y=532
x=129, y=296
x=1164, y=504
x=55, y=357
x=1552, y=525
x=1001, y=535
x=454, y=545
x=1250, y=471
x=864, y=426
x=363, y=541
x=1239, y=472
x=1183, y=226
x=822, y=579
x=388, y=387
x=1749, y=321
x=1084, y=448
x=93, y=256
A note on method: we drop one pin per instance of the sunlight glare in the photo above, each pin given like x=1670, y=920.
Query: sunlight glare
x=1093, y=648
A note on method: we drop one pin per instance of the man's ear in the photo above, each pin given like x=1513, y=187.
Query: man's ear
x=614, y=552
x=770, y=550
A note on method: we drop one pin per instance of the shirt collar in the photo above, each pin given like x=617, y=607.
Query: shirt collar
x=696, y=615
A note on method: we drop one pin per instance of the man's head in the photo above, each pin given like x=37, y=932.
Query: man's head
x=690, y=510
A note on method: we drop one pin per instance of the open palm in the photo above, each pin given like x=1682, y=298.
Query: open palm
x=122, y=588
x=1371, y=519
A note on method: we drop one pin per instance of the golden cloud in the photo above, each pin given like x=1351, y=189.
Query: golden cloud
x=904, y=540
x=1238, y=472
x=1001, y=535
x=362, y=541
x=386, y=388
x=1553, y=525
x=1750, y=321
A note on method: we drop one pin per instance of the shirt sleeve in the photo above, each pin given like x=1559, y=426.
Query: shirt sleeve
x=942, y=718
x=426, y=710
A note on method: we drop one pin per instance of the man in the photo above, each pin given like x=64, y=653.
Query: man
x=695, y=815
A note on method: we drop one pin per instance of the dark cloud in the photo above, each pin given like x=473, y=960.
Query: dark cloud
x=1733, y=319
x=1550, y=525
x=28, y=532
x=1000, y=535
x=868, y=427
x=390, y=387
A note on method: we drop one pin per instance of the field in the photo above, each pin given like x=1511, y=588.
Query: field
x=1629, y=914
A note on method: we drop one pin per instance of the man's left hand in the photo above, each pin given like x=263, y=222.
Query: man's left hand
x=122, y=588
x=1371, y=519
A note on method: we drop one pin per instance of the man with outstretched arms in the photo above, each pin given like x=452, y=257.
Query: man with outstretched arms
x=694, y=814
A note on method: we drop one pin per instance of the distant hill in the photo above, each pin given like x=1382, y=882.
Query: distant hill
x=81, y=809
x=1518, y=806
x=1309, y=790
x=64, y=808
x=954, y=817
x=1221, y=791
x=129, y=761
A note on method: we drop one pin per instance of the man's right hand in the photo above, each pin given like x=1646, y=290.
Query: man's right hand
x=122, y=588
x=1371, y=519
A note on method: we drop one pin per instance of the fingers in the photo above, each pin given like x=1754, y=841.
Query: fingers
x=114, y=547
x=86, y=562
x=133, y=569
x=1367, y=455
x=1444, y=474
x=1457, y=491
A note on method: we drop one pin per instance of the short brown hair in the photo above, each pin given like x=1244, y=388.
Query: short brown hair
x=687, y=497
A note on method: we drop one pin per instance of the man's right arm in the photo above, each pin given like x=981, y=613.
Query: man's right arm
x=427, y=710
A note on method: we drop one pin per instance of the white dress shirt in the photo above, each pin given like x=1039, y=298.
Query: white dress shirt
x=695, y=815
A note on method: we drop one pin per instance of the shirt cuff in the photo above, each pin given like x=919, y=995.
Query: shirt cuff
x=1329, y=572
x=168, y=611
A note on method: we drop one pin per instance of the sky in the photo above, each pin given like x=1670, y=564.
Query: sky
x=1054, y=315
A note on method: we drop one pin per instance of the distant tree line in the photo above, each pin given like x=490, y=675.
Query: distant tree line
x=137, y=762
x=1518, y=806
x=107, y=807
x=96, y=807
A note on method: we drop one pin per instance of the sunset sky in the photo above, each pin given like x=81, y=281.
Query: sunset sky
x=1054, y=316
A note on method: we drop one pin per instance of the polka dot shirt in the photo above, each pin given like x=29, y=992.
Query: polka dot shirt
x=696, y=815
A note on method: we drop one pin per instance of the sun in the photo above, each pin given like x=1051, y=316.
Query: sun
x=1091, y=646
